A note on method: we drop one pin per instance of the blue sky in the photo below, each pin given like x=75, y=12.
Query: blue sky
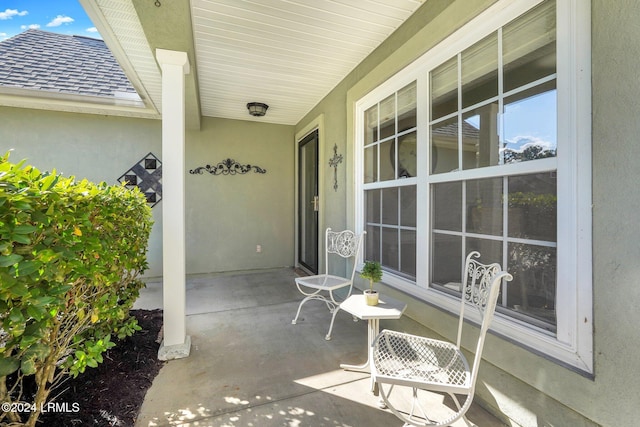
x=530, y=121
x=58, y=16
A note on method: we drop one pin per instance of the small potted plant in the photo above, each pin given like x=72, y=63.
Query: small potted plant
x=372, y=271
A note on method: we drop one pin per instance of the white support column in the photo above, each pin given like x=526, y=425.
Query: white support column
x=176, y=343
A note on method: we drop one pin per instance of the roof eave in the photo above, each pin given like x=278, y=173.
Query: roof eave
x=56, y=101
x=152, y=98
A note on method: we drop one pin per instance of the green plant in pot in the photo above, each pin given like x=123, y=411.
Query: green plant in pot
x=372, y=271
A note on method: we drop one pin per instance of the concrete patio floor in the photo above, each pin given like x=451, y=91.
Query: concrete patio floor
x=249, y=366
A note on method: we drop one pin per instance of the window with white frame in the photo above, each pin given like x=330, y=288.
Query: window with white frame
x=475, y=146
x=390, y=145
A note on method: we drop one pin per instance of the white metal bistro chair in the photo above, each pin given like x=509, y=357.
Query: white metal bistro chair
x=345, y=244
x=427, y=366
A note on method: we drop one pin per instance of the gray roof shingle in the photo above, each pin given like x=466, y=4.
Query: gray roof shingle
x=61, y=63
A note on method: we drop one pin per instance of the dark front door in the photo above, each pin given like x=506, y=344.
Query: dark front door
x=308, y=204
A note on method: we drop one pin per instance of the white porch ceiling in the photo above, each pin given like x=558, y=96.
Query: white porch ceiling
x=288, y=54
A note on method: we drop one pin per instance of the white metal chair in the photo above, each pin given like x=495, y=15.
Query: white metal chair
x=427, y=366
x=345, y=244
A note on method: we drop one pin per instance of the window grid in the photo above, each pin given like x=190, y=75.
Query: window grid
x=503, y=237
x=572, y=344
x=459, y=116
x=381, y=183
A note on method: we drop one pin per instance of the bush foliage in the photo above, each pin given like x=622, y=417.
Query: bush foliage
x=71, y=253
x=372, y=271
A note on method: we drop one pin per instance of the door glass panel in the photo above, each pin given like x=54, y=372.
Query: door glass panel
x=308, y=215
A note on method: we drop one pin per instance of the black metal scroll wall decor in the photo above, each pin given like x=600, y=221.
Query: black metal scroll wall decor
x=333, y=163
x=147, y=176
x=227, y=167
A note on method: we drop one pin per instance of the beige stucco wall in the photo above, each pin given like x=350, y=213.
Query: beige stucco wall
x=98, y=148
x=616, y=203
x=515, y=383
x=227, y=216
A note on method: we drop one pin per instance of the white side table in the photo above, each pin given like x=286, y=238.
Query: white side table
x=387, y=308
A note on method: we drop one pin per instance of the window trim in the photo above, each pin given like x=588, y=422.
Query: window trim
x=572, y=344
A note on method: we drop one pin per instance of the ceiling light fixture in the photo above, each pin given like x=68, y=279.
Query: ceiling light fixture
x=257, y=109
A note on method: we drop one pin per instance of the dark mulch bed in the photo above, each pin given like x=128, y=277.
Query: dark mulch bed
x=112, y=393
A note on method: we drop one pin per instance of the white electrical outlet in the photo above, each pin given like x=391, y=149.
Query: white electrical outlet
x=258, y=248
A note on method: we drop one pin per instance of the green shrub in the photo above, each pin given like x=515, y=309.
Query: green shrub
x=71, y=253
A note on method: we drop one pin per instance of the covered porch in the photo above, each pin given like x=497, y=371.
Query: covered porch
x=249, y=366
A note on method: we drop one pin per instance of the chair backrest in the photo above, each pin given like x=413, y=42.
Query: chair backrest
x=481, y=287
x=344, y=243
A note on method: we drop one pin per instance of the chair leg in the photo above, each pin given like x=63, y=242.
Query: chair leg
x=466, y=404
x=328, y=303
x=333, y=318
x=411, y=419
x=385, y=398
x=334, y=310
x=295, y=320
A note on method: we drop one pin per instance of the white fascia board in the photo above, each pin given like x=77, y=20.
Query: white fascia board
x=94, y=12
x=55, y=101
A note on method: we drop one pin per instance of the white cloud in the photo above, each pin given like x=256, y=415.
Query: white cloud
x=30, y=27
x=10, y=13
x=92, y=30
x=520, y=143
x=59, y=20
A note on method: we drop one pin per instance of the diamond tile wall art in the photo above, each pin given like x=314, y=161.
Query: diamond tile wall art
x=147, y=176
